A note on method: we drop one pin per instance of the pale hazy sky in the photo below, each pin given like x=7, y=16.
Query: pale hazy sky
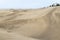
x=26, y=3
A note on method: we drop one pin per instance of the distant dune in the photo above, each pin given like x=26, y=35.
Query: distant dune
x=33, y=24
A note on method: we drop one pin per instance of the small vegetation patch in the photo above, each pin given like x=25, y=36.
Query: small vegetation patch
x=53, y=5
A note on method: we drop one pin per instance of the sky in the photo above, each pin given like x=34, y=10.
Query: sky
x=26, y=4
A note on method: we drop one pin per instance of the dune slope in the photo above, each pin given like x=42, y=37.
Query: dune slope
x=42, y=24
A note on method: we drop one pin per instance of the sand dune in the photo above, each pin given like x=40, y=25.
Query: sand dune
x=13, y=36
x=42, y=24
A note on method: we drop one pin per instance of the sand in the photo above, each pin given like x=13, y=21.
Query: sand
x=35, y=24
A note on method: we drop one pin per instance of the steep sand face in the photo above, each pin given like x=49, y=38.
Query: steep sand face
x=40, y=23
x=55, y=24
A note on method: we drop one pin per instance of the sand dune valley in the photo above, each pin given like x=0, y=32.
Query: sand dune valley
x=30, y=24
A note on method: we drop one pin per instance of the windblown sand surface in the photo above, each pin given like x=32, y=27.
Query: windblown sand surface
x=36, y=24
